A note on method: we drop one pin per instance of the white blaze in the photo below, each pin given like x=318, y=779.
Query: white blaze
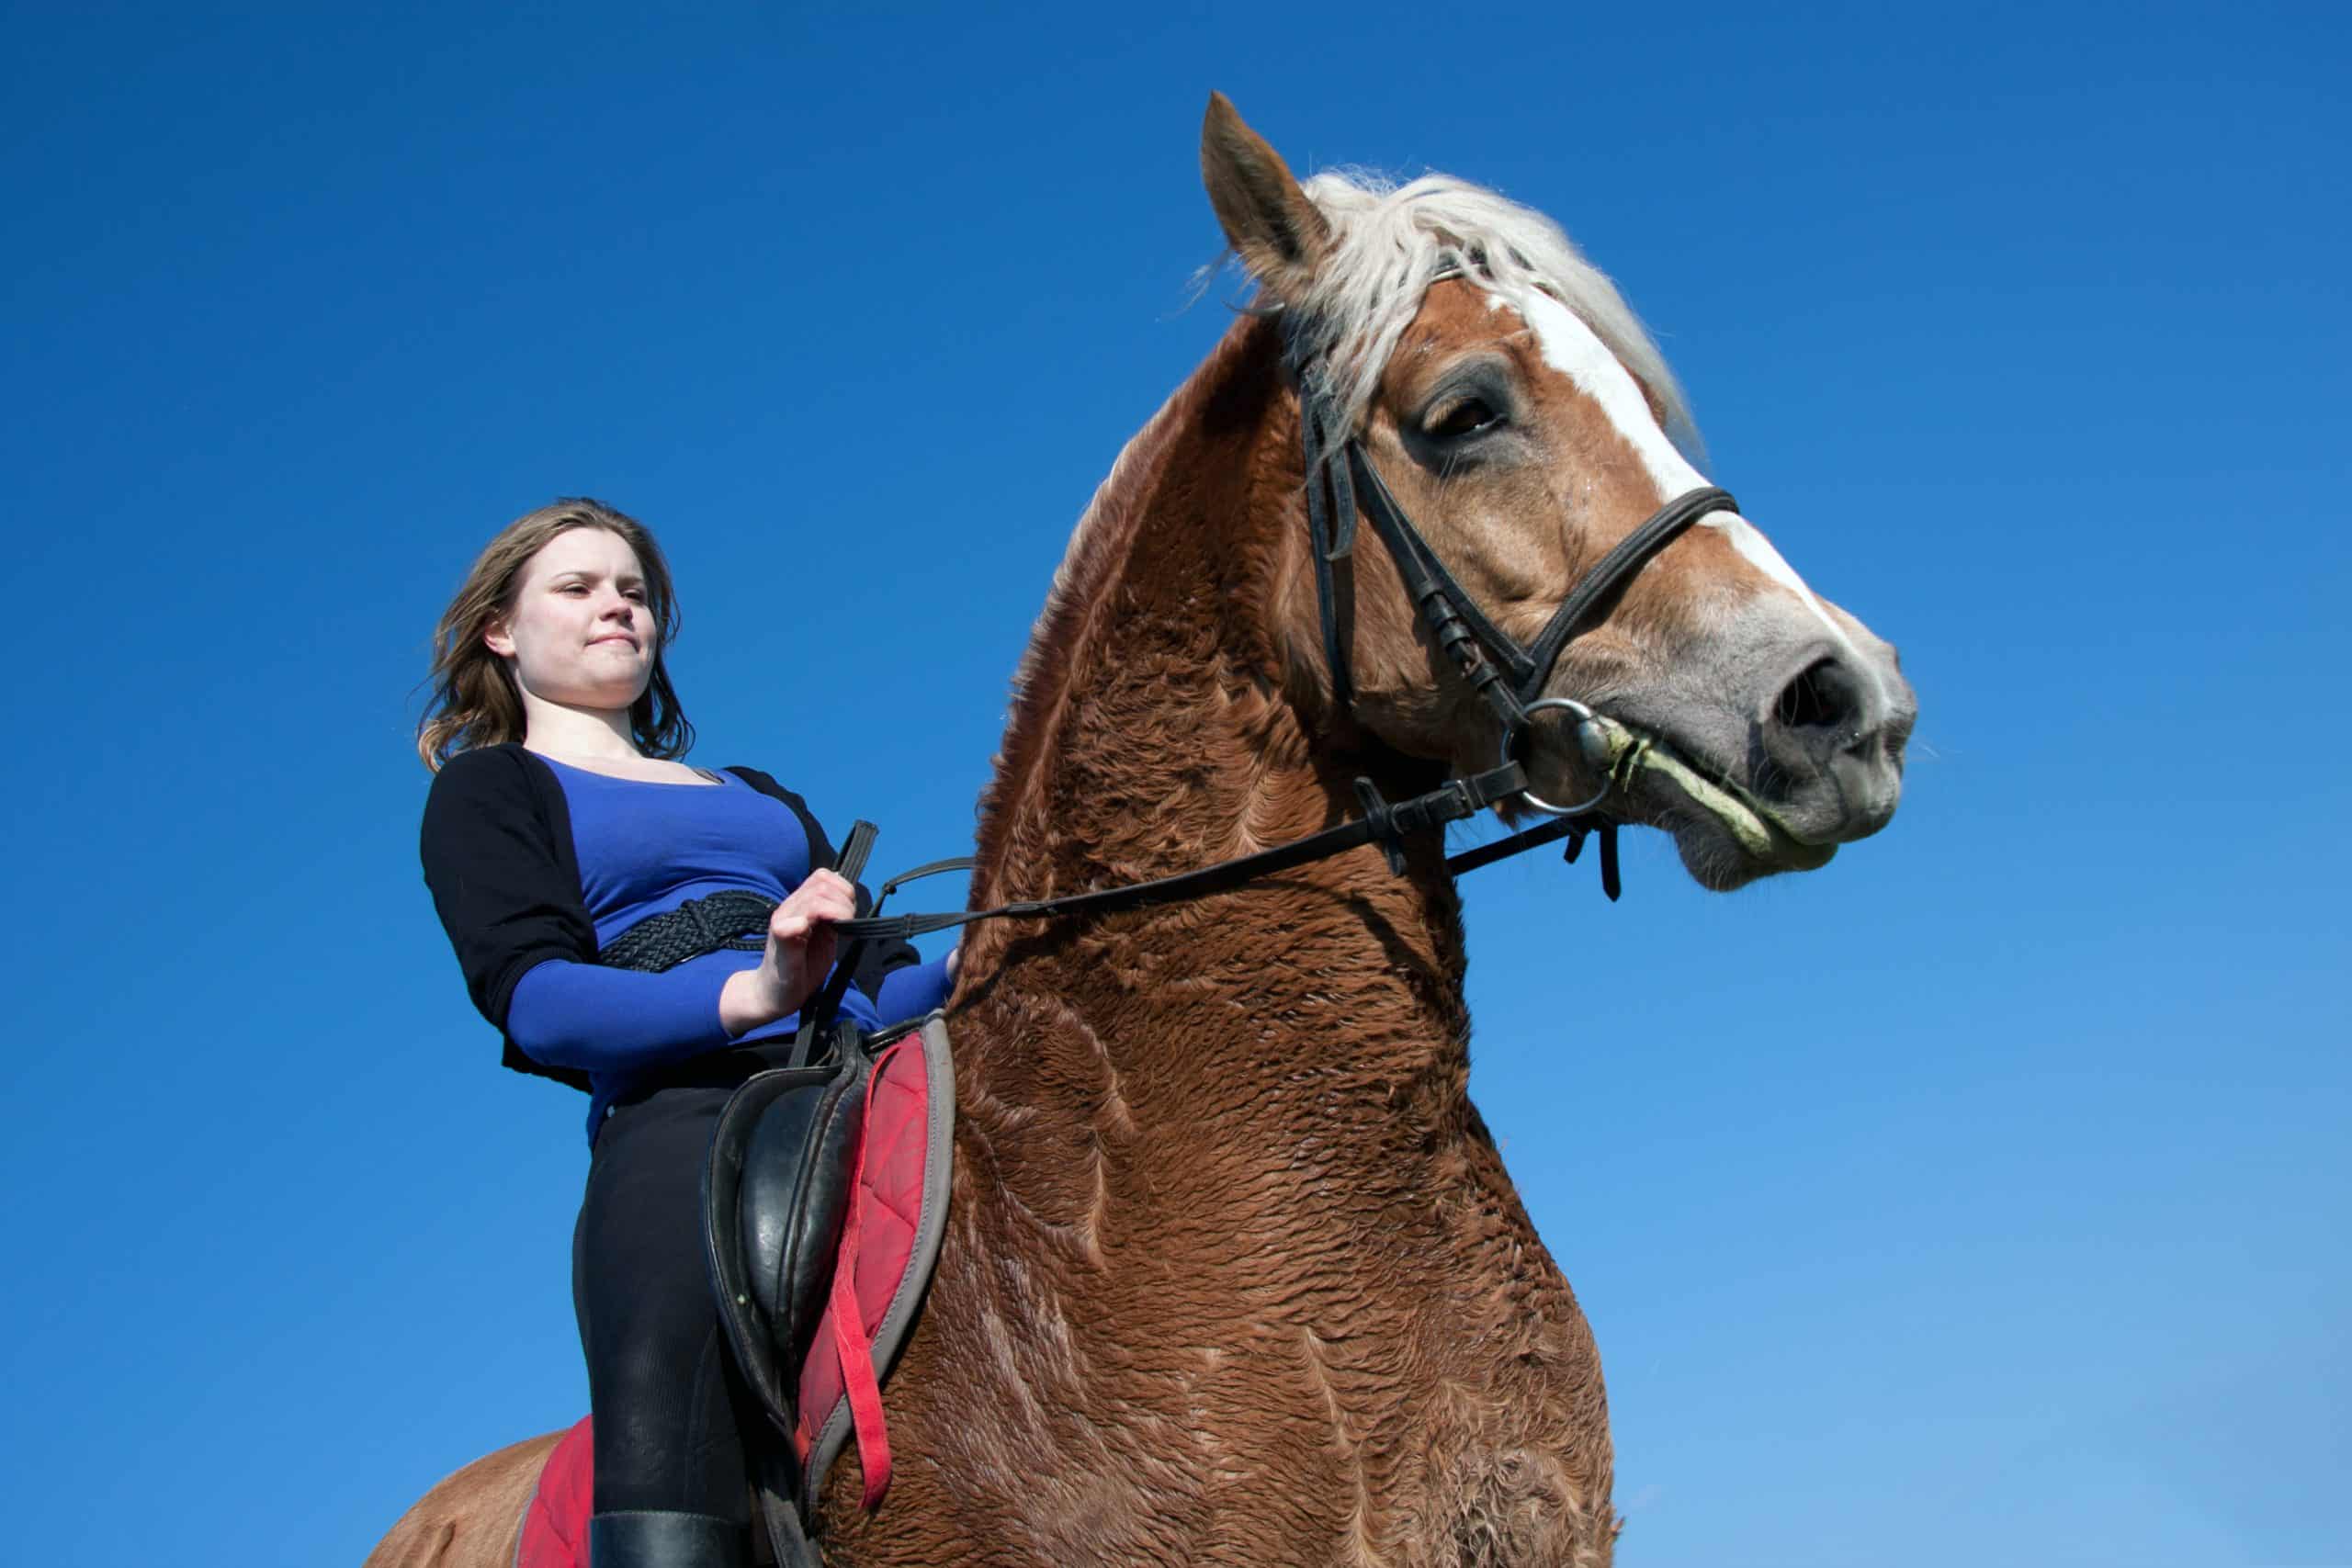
x=1575, y=351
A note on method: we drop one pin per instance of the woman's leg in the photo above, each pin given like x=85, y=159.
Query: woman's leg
x=670, y=1484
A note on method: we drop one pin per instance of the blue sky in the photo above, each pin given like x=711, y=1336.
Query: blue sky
x=1981, y=1198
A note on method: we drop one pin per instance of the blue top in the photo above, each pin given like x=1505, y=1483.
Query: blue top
x=645, y=847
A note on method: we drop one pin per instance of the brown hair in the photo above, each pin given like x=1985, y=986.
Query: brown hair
x=474, y=700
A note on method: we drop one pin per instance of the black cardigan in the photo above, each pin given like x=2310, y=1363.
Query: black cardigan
x=498, y=855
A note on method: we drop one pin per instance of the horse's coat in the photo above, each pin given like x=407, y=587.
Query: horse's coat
x=1233, y=1272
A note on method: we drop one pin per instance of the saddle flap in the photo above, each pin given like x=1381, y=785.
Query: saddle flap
x=796, y=1191
x=731, y=1269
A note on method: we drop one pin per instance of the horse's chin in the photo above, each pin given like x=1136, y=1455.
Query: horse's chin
x=1720, y=861
x=1726, y=839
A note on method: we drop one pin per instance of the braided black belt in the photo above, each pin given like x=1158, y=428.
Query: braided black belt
x=734, y=920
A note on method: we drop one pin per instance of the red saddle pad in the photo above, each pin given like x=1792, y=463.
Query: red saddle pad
x=555, y=1522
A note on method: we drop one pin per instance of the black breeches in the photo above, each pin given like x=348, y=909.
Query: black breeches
x=661, y=1381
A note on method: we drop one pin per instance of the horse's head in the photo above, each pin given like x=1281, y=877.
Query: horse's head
x=1520, y=417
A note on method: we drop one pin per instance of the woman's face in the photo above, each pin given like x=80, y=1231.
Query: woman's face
x=580, y=633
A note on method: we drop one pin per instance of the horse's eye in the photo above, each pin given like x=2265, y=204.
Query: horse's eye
x=1466, y=417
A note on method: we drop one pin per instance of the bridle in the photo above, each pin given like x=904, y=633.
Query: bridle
x=1342, y=483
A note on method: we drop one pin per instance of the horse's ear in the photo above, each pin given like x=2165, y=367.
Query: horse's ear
x=1277, y=233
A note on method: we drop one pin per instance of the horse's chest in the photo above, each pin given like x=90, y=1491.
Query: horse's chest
x=1282, y=1444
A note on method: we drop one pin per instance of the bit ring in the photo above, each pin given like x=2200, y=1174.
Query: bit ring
x=1584, y=716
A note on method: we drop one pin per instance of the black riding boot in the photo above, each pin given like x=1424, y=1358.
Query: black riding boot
x=644, y=1539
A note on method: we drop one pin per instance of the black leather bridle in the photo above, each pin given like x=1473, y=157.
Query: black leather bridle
x=1342, y=483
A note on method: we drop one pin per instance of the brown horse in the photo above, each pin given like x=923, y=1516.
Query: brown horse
x=1235, y=1274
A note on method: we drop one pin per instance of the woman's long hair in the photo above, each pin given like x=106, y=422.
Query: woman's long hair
x=474, y=699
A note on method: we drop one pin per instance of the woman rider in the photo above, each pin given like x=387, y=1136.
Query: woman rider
x=562, y=815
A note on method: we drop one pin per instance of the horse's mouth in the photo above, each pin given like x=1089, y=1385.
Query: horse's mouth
x=1725, y=836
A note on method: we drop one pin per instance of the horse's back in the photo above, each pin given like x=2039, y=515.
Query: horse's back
x=472, y=1518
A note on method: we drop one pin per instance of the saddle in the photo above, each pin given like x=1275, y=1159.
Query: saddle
x=823, y=1207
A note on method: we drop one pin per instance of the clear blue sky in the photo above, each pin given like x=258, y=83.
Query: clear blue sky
x=1983, y=1198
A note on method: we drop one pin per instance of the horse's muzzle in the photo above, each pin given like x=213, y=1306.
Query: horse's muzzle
x=1825, y=746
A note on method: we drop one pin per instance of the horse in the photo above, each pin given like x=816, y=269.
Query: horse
x=1235, y=1274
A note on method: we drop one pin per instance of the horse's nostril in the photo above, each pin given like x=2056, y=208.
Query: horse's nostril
x=1825, y=695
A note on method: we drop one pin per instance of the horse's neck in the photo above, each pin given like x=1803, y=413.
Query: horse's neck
x=1156, y=736
x=1220, y=1191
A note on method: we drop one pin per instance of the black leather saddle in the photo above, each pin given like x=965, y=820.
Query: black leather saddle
x=775, y=1195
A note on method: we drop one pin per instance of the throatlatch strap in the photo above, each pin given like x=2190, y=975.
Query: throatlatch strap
x=1330, y=528
x=1452, y=617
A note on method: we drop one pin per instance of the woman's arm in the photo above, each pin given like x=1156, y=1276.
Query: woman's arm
x=512, y=909
x=915, y=990
x=600, y=1019
x=504, y=895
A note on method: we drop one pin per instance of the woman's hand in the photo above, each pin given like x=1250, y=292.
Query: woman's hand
x=800, y=951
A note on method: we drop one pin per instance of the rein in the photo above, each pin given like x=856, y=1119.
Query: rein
x=1341, y=485
x=1382, y=823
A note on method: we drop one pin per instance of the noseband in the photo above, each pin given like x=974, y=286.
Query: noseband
x=1342, y=481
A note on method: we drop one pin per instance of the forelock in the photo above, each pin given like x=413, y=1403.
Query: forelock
x=1392, y=242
